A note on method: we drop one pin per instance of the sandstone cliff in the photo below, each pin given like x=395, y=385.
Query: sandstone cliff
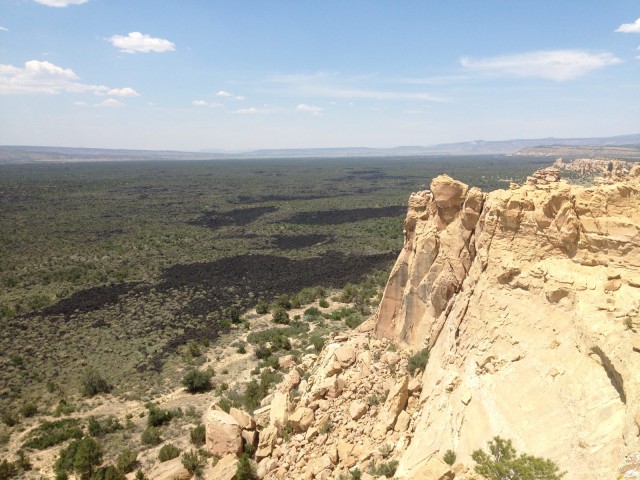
x=528, y=299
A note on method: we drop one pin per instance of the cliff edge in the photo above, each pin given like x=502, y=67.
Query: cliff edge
x=528, y=300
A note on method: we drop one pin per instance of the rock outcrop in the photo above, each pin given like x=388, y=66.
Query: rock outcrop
x=528, y=300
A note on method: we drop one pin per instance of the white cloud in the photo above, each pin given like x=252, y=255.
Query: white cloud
x=247, y=110
x=3, y=29
x=61, y=3
x=111, y=102
x=81, y=104
x=559, y=65
x=629, y=27
x=123, y=92
x=42, y=77
x=222, y=93
x=204, y=103
x=312, y=109
x=138, y=42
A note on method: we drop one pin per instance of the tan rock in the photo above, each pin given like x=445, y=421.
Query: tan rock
x=169, y=470
x=279, y=409
x=287, y=361
x=243, y=418
x=262, y=416
x=250, y=437
x=301, y=419
x=402, y=423
x=357, y=409
x=433, y=469
x=396, y=402
x=222, y=433
x=345, y=355
x=267, y=441
x=225, y=469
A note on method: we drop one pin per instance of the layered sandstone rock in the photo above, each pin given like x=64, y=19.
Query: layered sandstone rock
x=528, y=299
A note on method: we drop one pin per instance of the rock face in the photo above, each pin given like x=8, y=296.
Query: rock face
x=223, y=433
x=528, y=299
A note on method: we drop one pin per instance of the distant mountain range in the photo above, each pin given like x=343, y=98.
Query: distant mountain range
x=28, y=154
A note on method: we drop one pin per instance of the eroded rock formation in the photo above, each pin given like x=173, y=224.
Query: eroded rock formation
x=528, y=299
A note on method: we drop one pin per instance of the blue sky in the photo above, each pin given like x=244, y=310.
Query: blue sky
x=237, y=75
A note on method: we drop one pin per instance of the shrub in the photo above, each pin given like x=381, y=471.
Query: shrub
x=387, y=469
x=312, y=312
x=7, y=470
x=64, y=462
x=28, y=409
x=197, y=380
x=48, y=434
x=262, y=352
x=194, y=349
x=10, y=419
x=262, y=307
x=280, y=315
x=282, y=301
x=449, y=457
x=108, y=473
x=317, y=342
x=352, y=321
x=88, y=456
x=503, y=463
x=193, y=462
x=198, y=435
x=92, y=383
x=100, y=429
x=127, y=460
x=418, y=361
x=323, y=303
x=168, y=452
x=244, y=470
x=157, y=416
x=232, y=314
x=151, y=436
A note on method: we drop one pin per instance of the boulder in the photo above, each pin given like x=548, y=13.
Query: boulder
x=225, y=469
x=396, y=403
x=279, y=409
x=223, y=433
x=267, y=441
x=243, y=418
x=301, y=419
x=357, y=409
x=169, y=470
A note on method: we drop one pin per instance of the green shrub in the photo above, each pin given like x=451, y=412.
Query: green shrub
x=100, y=429
x=385, y=469
x=244, y=470
x=157, y=416
x=352, y=321
x=88, y=456
x=28, y=409
x=262, y=352
x=418, y=361
x=7, y=470
x=151, y=436
x=280, y=315
x=262, y=307
x=64, y=462
x=449, y=457
x=282, y=301
x=198, y=435
x=108, y=473
x=503, y=463
x=64, y=408
x=10, y=419
x=193, y=349
x=48, y=434
x=197, y=380
x=92, y=383
x=193, y=462
x=323, y=303
x=232, y=314
x=312, y=312
x=168, y=452
x=127, y=460
x=317, y=342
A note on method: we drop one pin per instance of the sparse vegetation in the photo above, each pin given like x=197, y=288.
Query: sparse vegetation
x=244, y=470
x=151, y=436
x=503, y=463
x=48, y=434
x=449, y=457
x=196, y=381
x=194, y=462
x=92, y=383
x=384, y=469
x=168, y=452
x=418, y=361
x=127, y=461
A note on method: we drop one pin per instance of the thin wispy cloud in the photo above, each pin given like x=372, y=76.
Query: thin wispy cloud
x=312, y=109
x=330, y=85
x=60, y=3
x=136, y=42
x=204, y=103
x=246, y=111
x=629, y=27
x=4, y=29
x=558, y=65
x=123, y=92
x=225, y=94
x=111, y=102
x=42, y=77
